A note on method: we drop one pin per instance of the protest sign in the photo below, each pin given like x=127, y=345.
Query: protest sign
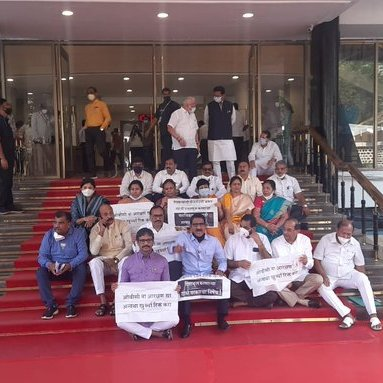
x=180, y=210
x=136, y=214
x=146, y=302
x=162, y=242
x=204, y=287
x=273, y=274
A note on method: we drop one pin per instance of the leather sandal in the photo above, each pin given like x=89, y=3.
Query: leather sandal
x=102, y=309
x=375, y=324
x=347, y=322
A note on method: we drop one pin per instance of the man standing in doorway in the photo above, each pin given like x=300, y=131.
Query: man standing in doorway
x=162, y=116
x=220, y=117
x=98, y=119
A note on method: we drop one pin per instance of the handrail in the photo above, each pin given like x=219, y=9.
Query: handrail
x=364, y=182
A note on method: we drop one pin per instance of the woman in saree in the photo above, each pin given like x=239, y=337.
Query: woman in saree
x=270, y=211
x=170, y=191
x=235, y=205
x=136, y=190
x=86, y=205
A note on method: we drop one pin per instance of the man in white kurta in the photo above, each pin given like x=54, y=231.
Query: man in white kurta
x=291, y=245
x=339, y=259
x=263, y=155
x=110, y=240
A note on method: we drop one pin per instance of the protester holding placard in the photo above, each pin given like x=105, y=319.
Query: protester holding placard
x=293, y=244
x=146, y=266
x=198, y=250
x=242, y=249
x=109, y=242
x=136, y=193
x=162, y=229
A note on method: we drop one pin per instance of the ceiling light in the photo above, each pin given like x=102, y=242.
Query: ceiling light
x=181, y=78
x=235, y=77
x=131, y=106
x=70, y=77
x=175, y=90
x=248, y=15
x=10, y=79
x=132, y=111
x=30, y=94
x=126, y=78
x=63, y=78
x=268, y=90
x=291, y=79
x=129, y=90
x=67, y=12
x=162, y=15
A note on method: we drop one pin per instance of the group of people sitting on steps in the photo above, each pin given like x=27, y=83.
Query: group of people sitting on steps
x=257, y=220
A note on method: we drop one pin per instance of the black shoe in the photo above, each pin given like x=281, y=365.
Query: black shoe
x=223, y=325
x=137, y=338
x=50, y=312
x=71, y=312
x=314, y=304
x=168, y=334
x=186, y=330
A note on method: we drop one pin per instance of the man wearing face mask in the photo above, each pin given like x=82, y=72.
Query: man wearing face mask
x=110, y=240
x=162, y=117
x=241, y=249
x=137, y=173
x=7, y=160
x=339, y=259
x=216, y=187
x=263, y=155
x=288, y=187
x=62, y=256
x=183, y=128
x=220, y=116
x=97, y=120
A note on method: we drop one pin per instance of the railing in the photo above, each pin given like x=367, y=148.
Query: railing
x=313, y=155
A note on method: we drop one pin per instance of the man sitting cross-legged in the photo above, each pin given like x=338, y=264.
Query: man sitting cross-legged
x=241, y=250
x=146, y=266
x=110, y=241
x=62, y=256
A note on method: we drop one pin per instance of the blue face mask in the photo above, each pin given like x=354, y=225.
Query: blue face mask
x=204, y=193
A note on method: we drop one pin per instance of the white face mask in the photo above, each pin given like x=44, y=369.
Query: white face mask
x=204, y=193
x=244, y=232
x=263, y=141
x=91, y=97
x=217, y=99
x=269, y=196
x=193, y=109
x=135, y=198
x=87, y=192
x=343, y=241
x=58, y=237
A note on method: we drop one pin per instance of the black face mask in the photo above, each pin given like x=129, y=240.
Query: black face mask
x=166, y=98
x=138, y=169
x=8, y=111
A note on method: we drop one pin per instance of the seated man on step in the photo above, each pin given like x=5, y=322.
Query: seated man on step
x=146, y=266
x=241, y=250
x=290, y=245
x=339, y=259
x=110, y=241
x=62, y=256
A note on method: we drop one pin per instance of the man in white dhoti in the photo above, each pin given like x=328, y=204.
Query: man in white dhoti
x=219, y=117
x=339, y=259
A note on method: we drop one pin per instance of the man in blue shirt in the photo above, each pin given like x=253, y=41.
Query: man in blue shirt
x=62, y=256
x=198, y=250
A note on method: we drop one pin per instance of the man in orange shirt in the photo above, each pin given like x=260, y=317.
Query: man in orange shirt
x=97, y=121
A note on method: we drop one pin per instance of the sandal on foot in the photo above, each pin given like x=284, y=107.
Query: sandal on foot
x=347, y=322
x=375, y=324
x=102, y=309
x=112, y=311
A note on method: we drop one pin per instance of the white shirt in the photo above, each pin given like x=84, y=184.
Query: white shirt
x=186, y=126
x=252, y=186
x=165, y=229
x=145, y=178
x=287, y=187
x=262, y=156
x=215, y=185
x=179, y=177
x=238, y=125
x=338, y=260
x=238, y=248
x=301, y=246
x=203, y=132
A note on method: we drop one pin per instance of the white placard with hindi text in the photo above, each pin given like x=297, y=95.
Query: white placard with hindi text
x=162, y=243
x=146, y=302
x=273, y=274
x=136, y=214
x=180, y=210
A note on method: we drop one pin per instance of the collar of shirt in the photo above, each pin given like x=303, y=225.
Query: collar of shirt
x=142, y=255
x=68, y=234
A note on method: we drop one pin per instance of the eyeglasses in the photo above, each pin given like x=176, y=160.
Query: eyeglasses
x=198, y=224
x=145, y=240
